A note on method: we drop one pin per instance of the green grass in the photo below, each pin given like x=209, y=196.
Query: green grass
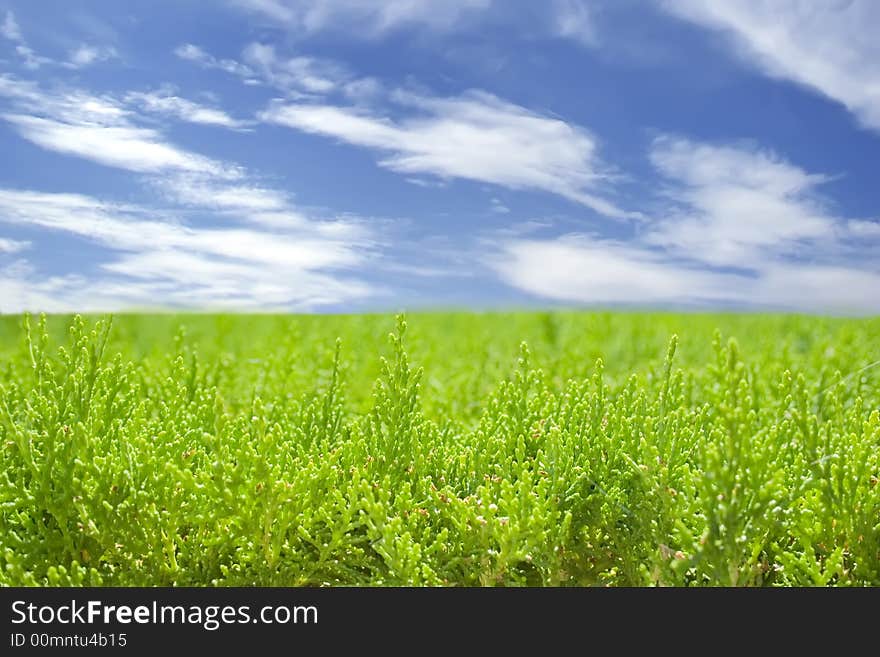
x=463, y=449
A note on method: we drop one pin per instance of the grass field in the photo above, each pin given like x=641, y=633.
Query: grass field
x=448, y=449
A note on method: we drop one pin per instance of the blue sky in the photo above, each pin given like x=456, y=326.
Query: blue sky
x=348, y=155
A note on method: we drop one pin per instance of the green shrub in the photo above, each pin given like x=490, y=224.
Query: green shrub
x=603, y=450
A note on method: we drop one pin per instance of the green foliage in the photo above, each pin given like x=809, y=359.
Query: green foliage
x=509, y=449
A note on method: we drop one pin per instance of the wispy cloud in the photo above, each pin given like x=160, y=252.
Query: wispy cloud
x=498, y=207
x=374, y=19
x=97, y=129
x=298, y=74
x=203, y=267
x=573, y=19
x=265, y=253
x=737, y=205
x=181, y=281
x=123, y=227
x=102, y=129
x=298, y=77
x=193, y=53
x=250, y=202
x=9, y=28
x=199, y=191
x=168, y=104
x=22, y=288
x=476, y=136
x=369, y=19
x=86, y=55
x=12, y=246
x=590, y=270
x=864, y=229
x=79, y=57
x=831, y=47
x=11, y=31
x=742, y=227
x=427, y=182
x=124, y=147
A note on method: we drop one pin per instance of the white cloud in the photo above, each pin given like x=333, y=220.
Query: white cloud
x=9, y=28
x=183, y=109
x=101, y=129
x=97, y=129
x=21, y=288
x=149, y=257
x=31, y=60
x=255, y=204
x=181, y=281
x=85, y=55
x=373, y=19
x=80, y=57
x=743, y=227
x=299, y=77
x=199, y=281
x=590, y=270
x=12, y=246
x=114, y=225
x=362, y=89
x=736, y=204
x=864, y=229
x=476, y=136
x=427, y=183
x=202, y=192
x=300, y=74
x=370, y=18
x=124, y=147
x=831, y=47
x=573, y=19
x=11, y=31
x=193, y=53
x=124, y=227
x=75, y=106
x=499, y=207
x=157, y=262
